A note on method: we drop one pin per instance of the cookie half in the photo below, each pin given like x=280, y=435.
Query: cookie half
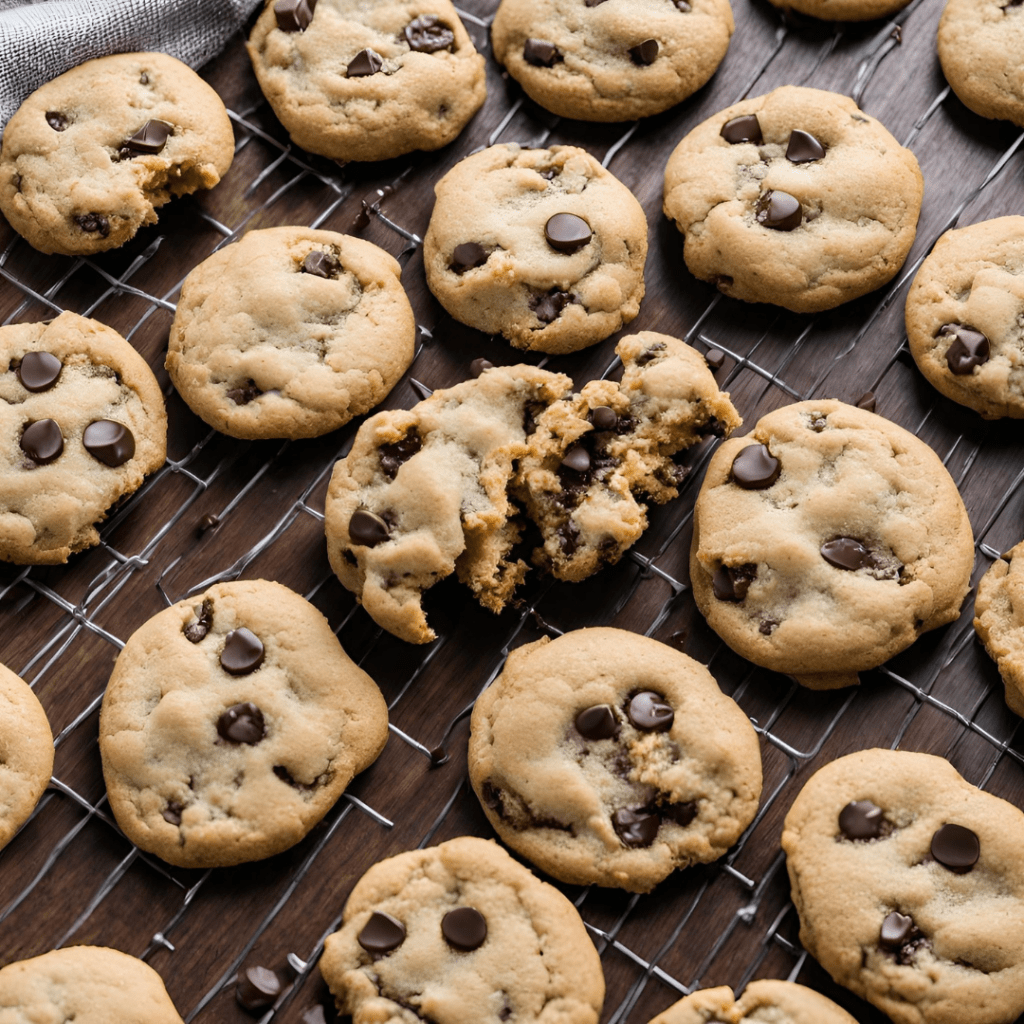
x=796, y=198
x=781, y=1002
x=358, y=81
x=637, y=763
x=460, y=932
x=826, y=541
x=82, y=421
x=999, y=621
x=290, y=332
x=611, y=60
x=543, y=246
x=909, y=886
x=232, y=723
x=89, y=156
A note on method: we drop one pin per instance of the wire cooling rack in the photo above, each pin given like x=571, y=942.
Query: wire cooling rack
x=224, y=509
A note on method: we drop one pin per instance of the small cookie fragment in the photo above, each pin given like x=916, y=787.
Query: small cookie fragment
x=999, y=621
x=290, y=332
x=965, y=317
x=596, y=453
x=781, y=1002
x=232, y=723
x=905, y=919
x=637, y=763
x=543, y=246
x=611, y=60
x=82, y=421
x=767, y=219
x=358, y=81
x=460, y=932
x=85, y=984
x=26, y=753
x=838, y=557
x=89, y=156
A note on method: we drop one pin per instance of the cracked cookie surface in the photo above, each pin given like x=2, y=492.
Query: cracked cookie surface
x=796, y=198
x=82, y=421
x=370, y=80
x=826, y=541
x=611, y=60
x=999, y=621
x=89, y=156
x=908, y=882
x=768, y=1001
x=461, y=932
x=232, y=723
x=965, y=317
x=290, y=332
x=543, y=246
x=637, y=763
x=84, y=984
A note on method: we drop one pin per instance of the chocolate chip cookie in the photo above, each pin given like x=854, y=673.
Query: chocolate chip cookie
x=232, y=723
x=595, y=454
x=826, y=541
x=89, y=156
x=460, y=932
x=26, y=753
x=611, y=60
x=82, y=421
x=780, y=1002
x=796, y=198
x=843, y=10
x=909, y=886
x=543, y=246
x=637, y=763
x=999, y=621
x=84, y=984
x=965, y=317
x=358, y=81
x=290, y=332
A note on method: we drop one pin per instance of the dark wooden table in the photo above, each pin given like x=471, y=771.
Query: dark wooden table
x=71, y=877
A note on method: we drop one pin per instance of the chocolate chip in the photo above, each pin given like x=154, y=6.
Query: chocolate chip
x=143, y=79
x=540, y=53
x=468, y=256
x=568, y=537
x=847, y=553
x=715, y=358
x=304, y=787
x=42, y=441
x=242, y=723
x=861, y=819
x=381, y=934
x=321, y=264
x=464, y=928
x=731, y=583
x=548, y=308
x=243, y=652
x=428, y=34
x=93, y=222
x=567, y=233
x=755, y=468
x=684, y=6
x=593, y=3
x=367, y=529
x=364, y=63
x=110, y=442
x=393, y=456
x=817, y=422
x=530, y=413
x=636, y=827
x=970, y=348
x=767, y=626
x=604, y=418
x=294, y=15
x=57, y=121
x=897, y=929
x=681, y=814
x=149, y=139
x=597, y=722
x=257, y=988
x=172, y=813
x=39, y=371
x=479, y=365
x=650, y=353
x=956, y=847
x=803, y=147
x=196, y=631
x=779, y=211
x=651, y=712
x=208, y=522
x=743, y=129
x=244, y=395
x=645, y=53
x=577, y=459
x=866, y=401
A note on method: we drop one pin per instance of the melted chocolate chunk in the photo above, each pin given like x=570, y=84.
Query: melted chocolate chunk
x=530, y=413
x=381, y=934
x=42, y=441
x=866, y=401
x=567, y=233
x=428, y=34
x=464, y=928
x=649, y=354
x=568, y=537
x=755, y=468
x=478, y=366
x=196, y=631
x=172, y=813
x=767, y=626
x=468, y=256
x=245, y=395
x=242, y=723
x=257, y=988
x=731, y=583
x=597, y=722
x=548, y=308
x=645, y=53
x=393, y=456
x=243, y=652
x=540, y=53
x=577, y=458
x=636, y=827
x=110, y=442
x=367, y=529
x=743, y=129
x=294, y=15
x=39, y=371
x=803, y=147
x=897, y=930
x=860, y=820
x=93, y=223
x=778, y=210
x=321, y=264
x=57, y=121
x=681, y=814
x=847, y=553
x=149, y=139
x=604, y=418
x=956, y=847
x=365, y=63
x=969, y=348
x=650, y=712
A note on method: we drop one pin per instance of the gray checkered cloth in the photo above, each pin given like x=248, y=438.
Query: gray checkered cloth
x=41, y=40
